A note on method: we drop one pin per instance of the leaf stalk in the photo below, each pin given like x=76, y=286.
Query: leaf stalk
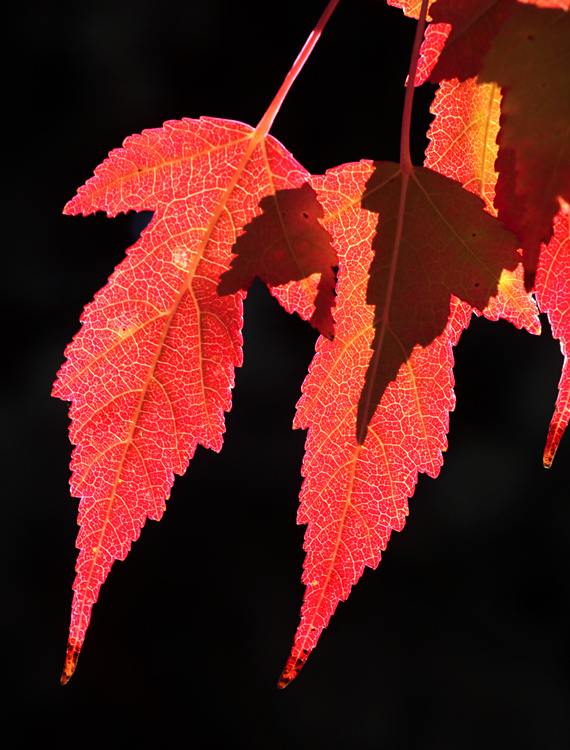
x=405, y=158
x=266, y=121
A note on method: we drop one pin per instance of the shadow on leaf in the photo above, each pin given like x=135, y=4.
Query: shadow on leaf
x=287, y=243
x=433, y=240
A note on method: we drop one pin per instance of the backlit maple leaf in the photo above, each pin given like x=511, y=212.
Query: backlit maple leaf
x=354, y=495
x=150, y=371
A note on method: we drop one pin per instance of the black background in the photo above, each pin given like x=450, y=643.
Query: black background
x=461, y=638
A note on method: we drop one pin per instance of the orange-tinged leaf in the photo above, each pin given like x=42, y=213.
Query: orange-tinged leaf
x=286, y=243
x=553, y=295
x=463, y=135
x=149, y=373
x=434, y=239
x=463, y=146
x=561, y=4
x=435, y=37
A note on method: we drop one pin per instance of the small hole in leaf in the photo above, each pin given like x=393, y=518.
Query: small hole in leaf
x=476, y=283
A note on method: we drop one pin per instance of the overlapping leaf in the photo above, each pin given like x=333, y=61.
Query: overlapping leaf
x=436, y=35
x=535, y=123
x=150, y=371
x=354, y=495
x=474, y=25
x=463, y=146
x=463, y=135
x=467, y=114
x=524, y=49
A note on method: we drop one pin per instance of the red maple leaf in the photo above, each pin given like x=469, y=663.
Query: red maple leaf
x=473, y=26
x=353, y=494
x=150, y=371
x=468, y=113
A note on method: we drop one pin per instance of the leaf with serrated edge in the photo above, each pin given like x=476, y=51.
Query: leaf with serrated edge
x=463, y=147
x=150, y=372
x=354, y=496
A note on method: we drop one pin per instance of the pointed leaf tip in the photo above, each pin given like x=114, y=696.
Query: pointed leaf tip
x=294, y=665
x=71, y=657
x=554, y=435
